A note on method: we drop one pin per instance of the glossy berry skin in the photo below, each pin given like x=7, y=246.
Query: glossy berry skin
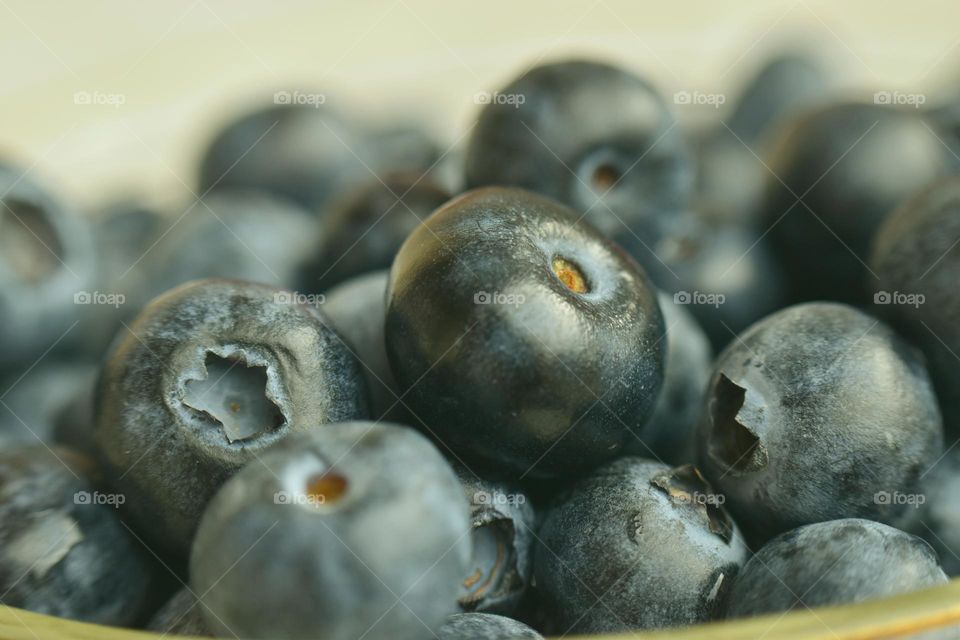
x=180, y=616
x=356, y=529
x=363, y=231
x=670, y=433
x=503, y=359
x=485, y=626
x=503, y=524
x=357, y=310
x=916, y=260
x=832, y=563
x=592, y=136
x=636, y=545
x=210, y=376
x=63, y=552
x=851, y=164
x=240, y=235
x=813, y=413
x=46, y=259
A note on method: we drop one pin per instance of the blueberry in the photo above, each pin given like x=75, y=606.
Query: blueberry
x=32, y=400
x=210, y=376
x=47, y=266
x=919, y=267
x=669, y=433
x=406, y=146
x=726, y=275
x=241, y=235
x=503, y=521
x=787, y=83
x=180, y=616
x=811, y=415
x=730, y=174
x=124, y=233
x=308, y=153
x=832, y=563
x=365, y=230
x=938, y=511
x=485, y=626
x=301, y=152
x=357, y=309
x=849, y=165
x=353, y=530
x=592, y=136
x=64, y=550
x=521, y=336
x=637, y=545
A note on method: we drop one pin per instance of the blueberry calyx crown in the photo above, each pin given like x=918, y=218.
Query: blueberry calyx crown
x=685, y=485
x=733, y=443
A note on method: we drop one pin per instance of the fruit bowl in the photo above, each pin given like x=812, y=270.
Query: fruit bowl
x=902, y=616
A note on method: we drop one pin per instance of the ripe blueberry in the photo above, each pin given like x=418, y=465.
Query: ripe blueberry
x=637, y=545
x=916, y=259
x=669, y=433
x=730, y=177
x=352, y=530
x=240, y=235
x=836, y=173
x=831, y=563
x=47, y=267
x=364, y=231
x=521, y=336
x=811, y=415
x=210, y=376
x=592, y=136
x=64, y=550
x=356, y=309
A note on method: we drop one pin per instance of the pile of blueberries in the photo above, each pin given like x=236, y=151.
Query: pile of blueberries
x=362, y=387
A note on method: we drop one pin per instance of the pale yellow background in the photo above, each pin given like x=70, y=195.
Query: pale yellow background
x=184, y=65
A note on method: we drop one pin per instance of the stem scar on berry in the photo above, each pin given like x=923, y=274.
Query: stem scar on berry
x=233, y=395
x=29, y=243
x=732, y=442
x=604, y=177
x=326, y=488
x=685, y=485
x=570, y=274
